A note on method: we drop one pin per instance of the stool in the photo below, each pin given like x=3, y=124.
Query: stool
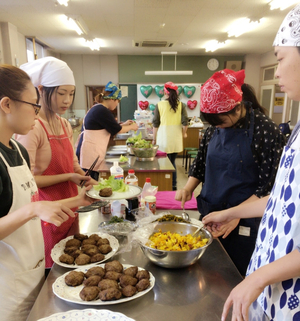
x=189, y=155
x=185, y=150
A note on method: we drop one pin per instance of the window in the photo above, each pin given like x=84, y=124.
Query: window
x=34, y=49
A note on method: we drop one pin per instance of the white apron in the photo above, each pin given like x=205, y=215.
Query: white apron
x=169, y=133
x=94, y=143
x=278, y=235
x=22, y=264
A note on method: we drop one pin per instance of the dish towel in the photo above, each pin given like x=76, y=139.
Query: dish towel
x=166, y=200
x=161, y=154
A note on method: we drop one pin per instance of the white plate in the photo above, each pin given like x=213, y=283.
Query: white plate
x=71, y=294
x=58, y=250
x=133, y=191
x=88, y=315
x=118, y=147
x=114, y=159
x=117, y=152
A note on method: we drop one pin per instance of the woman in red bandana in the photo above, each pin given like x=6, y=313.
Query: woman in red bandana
x=237, y=159
x=170, y=125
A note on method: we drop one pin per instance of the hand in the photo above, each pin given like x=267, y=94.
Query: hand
x=224, y=229
x=134, y=126
x=83, y=199
x=241, y=297
x=90, y=181
x=153, y=142
x=185, y=135
x=217, y=218
x=52, y=212
x=128, y=122
x=77, y=178
x=183, y=195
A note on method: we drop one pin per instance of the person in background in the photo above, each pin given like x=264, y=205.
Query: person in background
x=22, y=264
x=237, y=160
x=50, y=144
x=273, y=275
x=99, y=125
x=170, y=125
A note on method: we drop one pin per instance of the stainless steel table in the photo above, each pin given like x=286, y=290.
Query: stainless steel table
x=195, y=293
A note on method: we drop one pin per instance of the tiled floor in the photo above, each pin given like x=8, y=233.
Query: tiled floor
x=182, y=177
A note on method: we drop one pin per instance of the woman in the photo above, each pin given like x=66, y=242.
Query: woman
x=22, y=264
x=273, y=275
x=237, y=160
x=50, y=144
x=99, y=125
x=170, y=124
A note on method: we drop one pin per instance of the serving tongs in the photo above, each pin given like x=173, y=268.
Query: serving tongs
x=92, y=206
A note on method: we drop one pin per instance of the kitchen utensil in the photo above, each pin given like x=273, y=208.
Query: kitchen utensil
x=145, y=154
x=176, y=259
x=92, y=207
x=185, y=215
x=74, y=121
x=88, y=172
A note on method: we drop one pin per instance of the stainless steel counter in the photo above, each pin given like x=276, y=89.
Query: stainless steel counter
x=197, y=292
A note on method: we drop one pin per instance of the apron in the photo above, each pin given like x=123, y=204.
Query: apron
x=231, y=177
x=61, y=162
x=279, y=234
x=169, y=133
x=22, y=265
x=94, y=144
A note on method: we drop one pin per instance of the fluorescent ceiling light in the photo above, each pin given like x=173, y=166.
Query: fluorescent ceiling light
x=93, y=44
x=282, y=4
x=213, y=45
x=76, y=23
x=63, y=2
x=168, y=72
x=242, y=25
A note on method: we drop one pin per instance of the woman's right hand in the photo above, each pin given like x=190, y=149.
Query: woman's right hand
x=183, y=195
x=134, y=126
x=78, y=178
x=52, y=212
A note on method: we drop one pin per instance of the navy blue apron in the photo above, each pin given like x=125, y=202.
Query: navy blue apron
x=231, y=177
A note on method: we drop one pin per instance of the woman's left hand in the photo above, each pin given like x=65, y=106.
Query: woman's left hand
x=128, y=122
x=225, y=229
x=90, y=181
x=83, y=198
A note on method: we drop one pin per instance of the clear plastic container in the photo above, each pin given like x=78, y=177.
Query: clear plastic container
x=131, y=179
x=146, y=191
x=117, y=171
x=150, y=202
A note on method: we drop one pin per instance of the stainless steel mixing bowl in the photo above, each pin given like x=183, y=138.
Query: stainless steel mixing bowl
x=177, y=259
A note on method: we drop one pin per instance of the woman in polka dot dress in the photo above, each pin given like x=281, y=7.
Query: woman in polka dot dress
x=272, y=284
x=52, y=157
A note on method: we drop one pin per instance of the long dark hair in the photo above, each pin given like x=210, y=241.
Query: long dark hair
x=173, y=99
x=248, y=100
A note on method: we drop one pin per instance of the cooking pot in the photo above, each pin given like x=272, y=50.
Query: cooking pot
x=74, y=121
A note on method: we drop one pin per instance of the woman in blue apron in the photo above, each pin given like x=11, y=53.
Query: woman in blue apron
x=237, y=159
x=272, y=284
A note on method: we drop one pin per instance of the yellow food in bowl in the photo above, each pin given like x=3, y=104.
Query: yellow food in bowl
x=175, y=242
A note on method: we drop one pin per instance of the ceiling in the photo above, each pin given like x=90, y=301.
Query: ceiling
x=189, y=24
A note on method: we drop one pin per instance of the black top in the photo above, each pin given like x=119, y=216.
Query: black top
x=13, y=158
x=99, y=117
x=267, y=145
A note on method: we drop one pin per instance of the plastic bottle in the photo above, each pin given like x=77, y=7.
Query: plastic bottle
x=131, y=179
x=150, y=202
x=146, y=191
x=117, y=171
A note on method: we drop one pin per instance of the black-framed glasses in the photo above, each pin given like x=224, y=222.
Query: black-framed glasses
x=36, y=107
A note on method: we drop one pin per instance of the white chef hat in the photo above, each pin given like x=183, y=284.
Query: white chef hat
x=49, y=72
x=289, y=31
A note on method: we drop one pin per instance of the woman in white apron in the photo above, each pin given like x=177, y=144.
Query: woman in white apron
x=272, y=284
x=22, y=264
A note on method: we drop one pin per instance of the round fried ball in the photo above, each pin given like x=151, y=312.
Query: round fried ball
x=97, y=258
x=73, y=242
x=106, y=284
x=66, y=258
x=132, y=271
x=127, y=280
x=69, y=250
x=104, y=249
x=96, y=270
x=89, y=293
x=82, y=259
x=95, y=237
x=143, y=274
x=102, y=242
x=142, y=285
x=128, y=291
x=80, y=237
x=112, y=275
x=110, y=294
x=93, y=280
x=89, y=241
x=114, y=266
x=74, y=278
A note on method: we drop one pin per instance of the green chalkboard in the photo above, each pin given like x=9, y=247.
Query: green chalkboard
x=128, y=104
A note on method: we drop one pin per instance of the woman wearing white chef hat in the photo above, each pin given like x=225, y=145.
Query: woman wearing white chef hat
x=50, y=144
x=22, y=264
x=273, y=276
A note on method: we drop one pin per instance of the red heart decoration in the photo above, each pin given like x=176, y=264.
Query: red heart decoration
x=143, y=104
x=192, y=104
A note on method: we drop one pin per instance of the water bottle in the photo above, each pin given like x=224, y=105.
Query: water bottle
x=117, y=171
x=131, y=179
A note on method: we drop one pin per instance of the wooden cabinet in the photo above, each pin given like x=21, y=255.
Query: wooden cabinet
x=193, y=138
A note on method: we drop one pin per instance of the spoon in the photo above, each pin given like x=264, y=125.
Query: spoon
x=185, y=215
x=198, y=229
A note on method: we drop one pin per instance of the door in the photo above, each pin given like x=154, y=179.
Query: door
x=267, y=94
x=128, y=103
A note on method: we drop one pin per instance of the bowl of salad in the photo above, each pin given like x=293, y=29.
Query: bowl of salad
x=146, y=153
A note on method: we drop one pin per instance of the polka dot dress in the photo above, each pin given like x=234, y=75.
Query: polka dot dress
x=278, y=235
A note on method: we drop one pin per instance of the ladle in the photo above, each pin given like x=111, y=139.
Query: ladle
x=185, y=215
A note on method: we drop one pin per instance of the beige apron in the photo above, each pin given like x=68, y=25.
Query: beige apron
x=169, y=134
x=22, y=265
x=94, y=143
